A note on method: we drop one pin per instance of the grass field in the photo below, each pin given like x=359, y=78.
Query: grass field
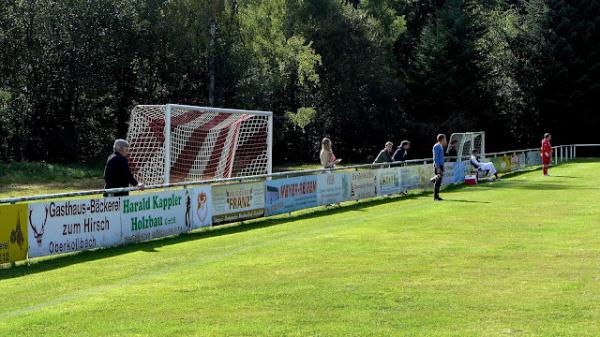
x=520, y=257
x=23, y=179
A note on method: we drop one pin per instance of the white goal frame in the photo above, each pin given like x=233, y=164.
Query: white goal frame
x=167, y=144
x=464, y=138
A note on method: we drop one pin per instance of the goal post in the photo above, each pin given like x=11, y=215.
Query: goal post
x=464, y=143
x=174, y=143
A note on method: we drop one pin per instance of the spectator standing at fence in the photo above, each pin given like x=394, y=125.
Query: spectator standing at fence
x=453, y=149
x=546, y=153
x=438, y=165
x=385, y=155
x=328, y=159
x=401, y=153
x=117, y=173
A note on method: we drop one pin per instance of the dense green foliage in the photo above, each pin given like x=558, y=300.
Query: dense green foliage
x=359, y=71
x=478, y=264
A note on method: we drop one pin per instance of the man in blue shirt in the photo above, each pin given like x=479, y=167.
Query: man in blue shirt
x=438, y=165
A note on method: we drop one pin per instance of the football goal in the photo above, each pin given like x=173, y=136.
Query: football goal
x=174, y=143
x=464, y=144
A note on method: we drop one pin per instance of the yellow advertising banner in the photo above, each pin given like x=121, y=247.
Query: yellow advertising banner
x=13, y=233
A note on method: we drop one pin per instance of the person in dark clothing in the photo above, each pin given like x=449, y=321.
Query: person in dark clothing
x=117, y=173
x=453, y=149
x=438, y=165
x=401, y=153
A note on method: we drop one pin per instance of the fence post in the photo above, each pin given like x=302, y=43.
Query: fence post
x=561, y=154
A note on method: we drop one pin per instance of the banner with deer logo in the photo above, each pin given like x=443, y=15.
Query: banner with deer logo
x=13, y=233
x=64, y=226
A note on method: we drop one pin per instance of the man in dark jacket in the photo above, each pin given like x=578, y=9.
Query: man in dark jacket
x=401, y=153
x=117, y=173
x=453, y=149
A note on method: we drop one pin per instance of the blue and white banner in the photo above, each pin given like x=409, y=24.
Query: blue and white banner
x=333, y=188
x=290, y=194
x=410, y=177
x=534, y=158
x=460, y=171
x=388, y=181
x=363, y=184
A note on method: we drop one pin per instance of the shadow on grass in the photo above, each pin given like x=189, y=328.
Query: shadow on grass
x=546, y=185
x=467, y=201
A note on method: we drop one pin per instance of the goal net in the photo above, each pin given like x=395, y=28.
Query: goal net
x=463, y=144
x=174, y=143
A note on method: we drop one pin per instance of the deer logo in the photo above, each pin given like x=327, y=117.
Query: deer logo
x=38, y=233
x=16, y=235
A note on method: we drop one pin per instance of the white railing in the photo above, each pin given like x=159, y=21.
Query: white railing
x=561, y=154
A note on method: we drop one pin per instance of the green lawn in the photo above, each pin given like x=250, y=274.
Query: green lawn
x=23, y=179
x=520, y=257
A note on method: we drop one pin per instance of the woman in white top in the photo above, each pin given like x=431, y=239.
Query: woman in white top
x=327, y=157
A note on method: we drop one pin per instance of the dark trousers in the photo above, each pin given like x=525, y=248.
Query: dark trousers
x=438, y=182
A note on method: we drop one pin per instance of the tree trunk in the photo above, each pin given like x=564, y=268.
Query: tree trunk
x=211, y=62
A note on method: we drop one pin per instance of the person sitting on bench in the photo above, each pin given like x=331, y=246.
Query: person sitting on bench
x=487, y=168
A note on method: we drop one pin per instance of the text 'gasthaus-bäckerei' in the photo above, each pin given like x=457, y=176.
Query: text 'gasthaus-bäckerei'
x=94, y=206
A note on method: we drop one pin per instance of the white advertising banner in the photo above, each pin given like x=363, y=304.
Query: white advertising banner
x=200, y=212
x=388, y=181
x=448, y=174
x=410, y=178
x=518, y=161
x=237, y=202
x=58, y=227
x=155, y=215
x=426, y=172
x=333, y=188
x=363, y=184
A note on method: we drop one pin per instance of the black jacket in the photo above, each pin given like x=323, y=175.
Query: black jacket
x=117, y=172
x=400, y=154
